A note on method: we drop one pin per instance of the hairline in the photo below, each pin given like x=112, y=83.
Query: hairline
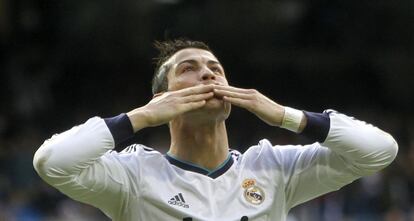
x=174, y=55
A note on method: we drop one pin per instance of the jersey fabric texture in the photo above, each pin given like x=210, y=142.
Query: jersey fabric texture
x=264, y=183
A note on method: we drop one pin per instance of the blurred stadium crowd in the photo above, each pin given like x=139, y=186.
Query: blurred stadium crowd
x=65, y=61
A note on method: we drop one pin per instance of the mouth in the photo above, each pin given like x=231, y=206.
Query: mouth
x=218, y=97
x=215, y=97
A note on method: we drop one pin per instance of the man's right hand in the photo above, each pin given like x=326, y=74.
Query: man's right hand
x=166, y=106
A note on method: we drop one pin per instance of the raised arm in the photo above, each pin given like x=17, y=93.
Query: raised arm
x=80, y=164
x=345, y=148
x=367, y=147
x=77, y=163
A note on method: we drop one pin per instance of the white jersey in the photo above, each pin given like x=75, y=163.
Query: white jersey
x=264, y=183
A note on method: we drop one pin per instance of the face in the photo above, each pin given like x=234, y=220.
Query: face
x=191, y=67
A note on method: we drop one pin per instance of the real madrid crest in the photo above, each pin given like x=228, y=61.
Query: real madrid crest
x=252, y=193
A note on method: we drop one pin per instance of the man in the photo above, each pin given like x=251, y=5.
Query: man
x=200, y=178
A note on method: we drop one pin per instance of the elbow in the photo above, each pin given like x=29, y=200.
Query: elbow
x=391, y=150
x=377, y=160
x=47, y=166
x=40, y=160
x=386, y=151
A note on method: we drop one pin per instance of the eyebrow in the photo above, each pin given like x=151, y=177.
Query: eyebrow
x=192, y=61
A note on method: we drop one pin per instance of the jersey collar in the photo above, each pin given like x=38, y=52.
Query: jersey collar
x=185, y=165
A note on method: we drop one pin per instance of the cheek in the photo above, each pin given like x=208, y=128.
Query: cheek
x=223, y=81
x=182, y=81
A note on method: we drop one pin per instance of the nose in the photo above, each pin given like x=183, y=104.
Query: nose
x=208, y=75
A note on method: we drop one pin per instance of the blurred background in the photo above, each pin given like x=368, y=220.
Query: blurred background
x=62, y=62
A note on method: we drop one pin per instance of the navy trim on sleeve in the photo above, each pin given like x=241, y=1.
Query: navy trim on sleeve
x=120, y=127
x=317, y=126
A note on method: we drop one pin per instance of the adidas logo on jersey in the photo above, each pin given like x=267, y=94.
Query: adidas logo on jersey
x=178, y=200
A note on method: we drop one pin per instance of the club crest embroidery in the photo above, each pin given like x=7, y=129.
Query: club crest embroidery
x=252, y=193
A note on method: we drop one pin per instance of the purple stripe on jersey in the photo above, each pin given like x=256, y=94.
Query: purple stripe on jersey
x=317, y=126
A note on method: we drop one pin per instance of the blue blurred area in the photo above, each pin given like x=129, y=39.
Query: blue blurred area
x=62, y=62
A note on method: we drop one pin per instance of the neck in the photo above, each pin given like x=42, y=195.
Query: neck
x=203, y=144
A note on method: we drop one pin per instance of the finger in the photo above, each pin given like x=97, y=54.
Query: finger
x=234, y=89
x=195, y=90
x=193, y=105
x=197, y=97
x=237, y=101
x=222, y=93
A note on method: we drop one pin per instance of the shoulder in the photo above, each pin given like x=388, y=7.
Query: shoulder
x=135, y=153
x=140, y=149
x=265, y=151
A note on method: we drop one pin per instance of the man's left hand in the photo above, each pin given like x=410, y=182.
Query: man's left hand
x=253, y=101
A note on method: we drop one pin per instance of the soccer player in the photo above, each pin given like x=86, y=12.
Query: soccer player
x=201, y=178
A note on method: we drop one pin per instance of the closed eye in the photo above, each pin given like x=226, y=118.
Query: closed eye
x=187, y=68
x=216, y=70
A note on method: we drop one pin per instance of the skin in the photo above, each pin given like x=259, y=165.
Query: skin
x=196, y=105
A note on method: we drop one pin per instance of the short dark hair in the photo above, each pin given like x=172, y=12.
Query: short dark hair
x=166, y=50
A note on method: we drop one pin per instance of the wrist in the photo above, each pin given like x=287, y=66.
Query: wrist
x=138, y=118
x=293, y=120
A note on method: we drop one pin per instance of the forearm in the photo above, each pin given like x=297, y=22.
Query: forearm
x=347, y=149
x=138, y=118
x=68, y=153
x=365, y=147
x=78, y=164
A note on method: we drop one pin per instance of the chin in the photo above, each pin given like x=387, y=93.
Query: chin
x=217, y=107
x=214, y=103
x=214, y=109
